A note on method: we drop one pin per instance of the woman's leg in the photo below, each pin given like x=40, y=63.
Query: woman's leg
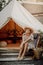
x=24, y=51
x=21, y=50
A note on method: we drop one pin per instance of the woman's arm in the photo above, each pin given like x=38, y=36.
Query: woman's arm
x=28, y=39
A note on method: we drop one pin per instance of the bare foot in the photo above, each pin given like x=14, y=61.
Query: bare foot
x=21, y=58
x=18, y=58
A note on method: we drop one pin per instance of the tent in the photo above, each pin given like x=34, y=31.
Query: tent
x=19, y=14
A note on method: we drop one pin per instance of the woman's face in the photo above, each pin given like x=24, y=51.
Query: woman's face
x=28, y=32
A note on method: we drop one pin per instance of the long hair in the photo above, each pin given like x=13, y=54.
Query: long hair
x=28, y=28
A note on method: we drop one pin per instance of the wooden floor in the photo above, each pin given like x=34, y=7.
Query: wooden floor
x=11, y=46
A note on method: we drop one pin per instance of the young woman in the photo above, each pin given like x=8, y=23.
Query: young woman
x=27, y=43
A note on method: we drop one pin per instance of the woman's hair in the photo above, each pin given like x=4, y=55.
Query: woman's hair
x=28, y=28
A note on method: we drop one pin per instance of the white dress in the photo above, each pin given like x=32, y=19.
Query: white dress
x=30, y=40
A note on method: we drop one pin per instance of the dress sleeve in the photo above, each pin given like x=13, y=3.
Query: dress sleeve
x=32, y=37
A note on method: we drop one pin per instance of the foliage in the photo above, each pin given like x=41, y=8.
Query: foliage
x=0, y=6
x=3, y=3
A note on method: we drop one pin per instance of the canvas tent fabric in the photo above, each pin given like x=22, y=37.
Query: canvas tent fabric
x=5, y=14
x=19, y=14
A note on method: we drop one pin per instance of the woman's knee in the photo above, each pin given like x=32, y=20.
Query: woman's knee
x=26, y=45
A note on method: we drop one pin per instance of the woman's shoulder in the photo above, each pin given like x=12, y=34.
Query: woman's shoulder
x=31, y=36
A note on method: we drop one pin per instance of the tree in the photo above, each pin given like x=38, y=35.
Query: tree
x=0, y=6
